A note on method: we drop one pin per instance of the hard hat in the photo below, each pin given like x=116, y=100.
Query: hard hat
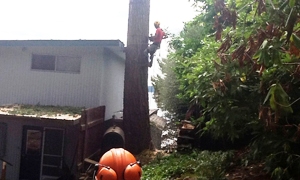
x=133, y=171
x=106, y=173
x=119, y=159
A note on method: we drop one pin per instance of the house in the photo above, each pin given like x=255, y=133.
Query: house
x=80, y=73
x=87, y=74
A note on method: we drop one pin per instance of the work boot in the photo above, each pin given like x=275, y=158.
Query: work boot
x=150, y=63
x=151, y=57
x=151, y=60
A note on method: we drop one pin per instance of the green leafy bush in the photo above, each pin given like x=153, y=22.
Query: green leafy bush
x=196, y=165
x=238, y=61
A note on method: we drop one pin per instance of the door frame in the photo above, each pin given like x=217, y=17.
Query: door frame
x=59, y=157
x=34, y=138
x=31, y=150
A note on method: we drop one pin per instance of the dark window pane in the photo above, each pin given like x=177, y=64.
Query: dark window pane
x=53, y=143
x=51, y=171
x=52, y=160
x=43, y=62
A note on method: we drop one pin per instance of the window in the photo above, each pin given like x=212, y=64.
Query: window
x=33, y=142
x=43, y=62
x=56, y=63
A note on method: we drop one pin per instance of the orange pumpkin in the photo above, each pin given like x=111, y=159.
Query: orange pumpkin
x=122, y=162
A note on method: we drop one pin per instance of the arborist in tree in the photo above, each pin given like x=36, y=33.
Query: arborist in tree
x=156, y=40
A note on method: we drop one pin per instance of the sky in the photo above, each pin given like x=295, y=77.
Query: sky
x=78, y=19
x=86, y=20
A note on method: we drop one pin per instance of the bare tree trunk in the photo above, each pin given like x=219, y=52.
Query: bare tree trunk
x=136, y=107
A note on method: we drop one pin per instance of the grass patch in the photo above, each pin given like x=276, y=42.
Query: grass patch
x=198, y=165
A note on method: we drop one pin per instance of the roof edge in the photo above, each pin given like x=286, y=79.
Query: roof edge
x=101, y=43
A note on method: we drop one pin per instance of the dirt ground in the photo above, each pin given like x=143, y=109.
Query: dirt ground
x=251, y=172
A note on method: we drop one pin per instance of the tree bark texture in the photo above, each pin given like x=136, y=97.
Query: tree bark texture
x=136, y=107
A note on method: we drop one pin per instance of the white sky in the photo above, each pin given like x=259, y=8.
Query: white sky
x=78, y=19
x=86, y=19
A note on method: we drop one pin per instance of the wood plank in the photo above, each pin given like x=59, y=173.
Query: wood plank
x=90, y=161
x=91, y=124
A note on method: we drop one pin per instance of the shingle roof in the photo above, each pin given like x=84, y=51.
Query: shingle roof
x=54, y=112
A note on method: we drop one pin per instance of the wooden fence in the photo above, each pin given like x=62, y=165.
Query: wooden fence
x=91, y=133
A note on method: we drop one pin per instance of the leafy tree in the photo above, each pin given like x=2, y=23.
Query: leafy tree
x=239, y=62
x=167, y=86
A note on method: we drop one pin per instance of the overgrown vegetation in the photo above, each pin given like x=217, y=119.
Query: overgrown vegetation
x=235, y=71
x=202, y=165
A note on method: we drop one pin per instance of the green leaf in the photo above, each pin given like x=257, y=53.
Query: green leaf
x=292, y=3
x=296, y=40
x=257, y=54
x=279, y=100
x=269, y=94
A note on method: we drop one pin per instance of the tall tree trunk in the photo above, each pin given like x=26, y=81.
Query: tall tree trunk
x=136, y=107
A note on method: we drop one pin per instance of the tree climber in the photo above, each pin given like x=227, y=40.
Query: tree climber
x=156, y=40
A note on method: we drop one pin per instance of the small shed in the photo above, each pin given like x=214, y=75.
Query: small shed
x=53, y=143
x=37, y=145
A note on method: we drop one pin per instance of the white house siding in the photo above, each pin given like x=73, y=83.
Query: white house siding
x=20, y=84
x=113, y=91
